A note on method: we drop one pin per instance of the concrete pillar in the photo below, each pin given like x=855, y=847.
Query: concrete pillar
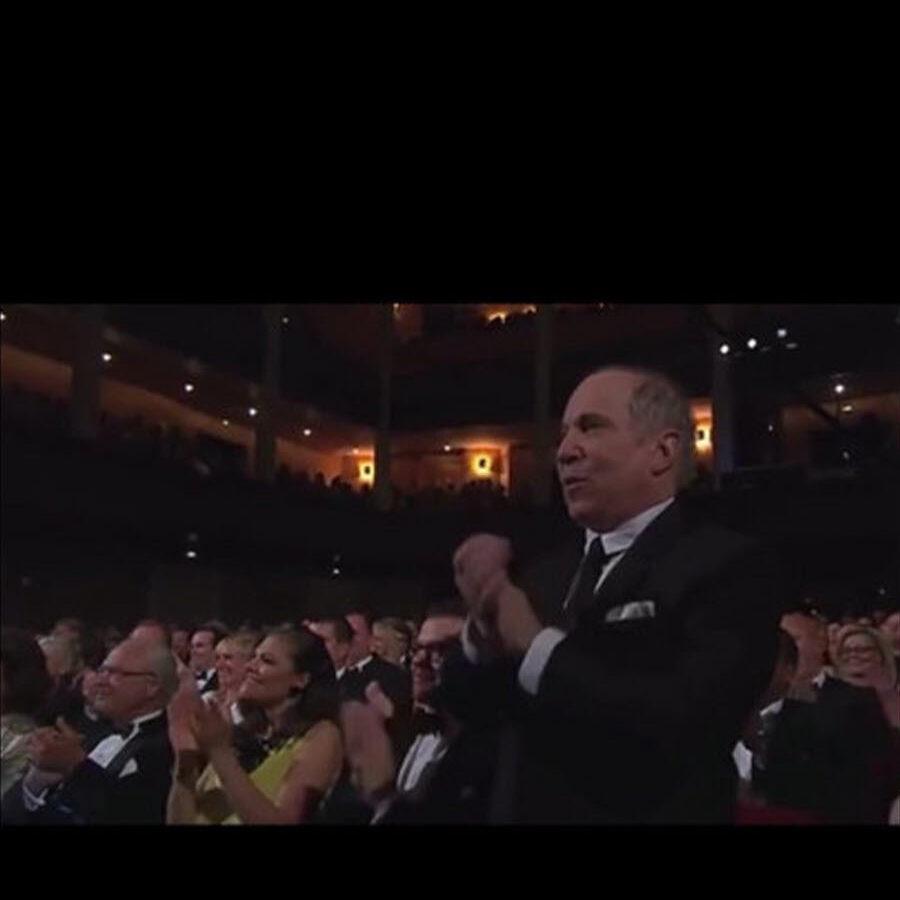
x=382, y=489
x=543, y=439
x=87, y=365
x=264, y=460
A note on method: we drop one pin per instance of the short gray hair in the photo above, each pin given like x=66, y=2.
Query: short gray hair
x=161, y=661
x=658, y=403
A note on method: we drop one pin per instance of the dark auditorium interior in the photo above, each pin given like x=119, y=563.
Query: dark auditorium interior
x=105, y=524
x=266, y=462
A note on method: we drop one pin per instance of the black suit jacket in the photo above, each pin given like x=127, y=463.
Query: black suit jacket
x=395, y=681
x=836, y=757
x=635, y=720
x=92, y=795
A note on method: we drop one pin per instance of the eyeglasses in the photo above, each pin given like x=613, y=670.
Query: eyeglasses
x=440, y=648
x=115, y=671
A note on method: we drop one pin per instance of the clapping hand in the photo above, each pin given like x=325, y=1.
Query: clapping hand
x=181, y=710
x=59, y=749
x=210, y=729
x=368, y=746
x=500, y=609
x=477, y=560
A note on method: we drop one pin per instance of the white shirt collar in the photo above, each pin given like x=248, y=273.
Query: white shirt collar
x=136, y=723
x=358, y=667
x=627, y=533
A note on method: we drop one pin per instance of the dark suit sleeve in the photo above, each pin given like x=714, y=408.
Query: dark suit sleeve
x=725, y=644
x=96, y=796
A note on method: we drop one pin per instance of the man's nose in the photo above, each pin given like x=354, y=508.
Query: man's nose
x=567, y=451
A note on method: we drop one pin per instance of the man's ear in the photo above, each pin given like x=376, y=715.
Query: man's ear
x=665, y=452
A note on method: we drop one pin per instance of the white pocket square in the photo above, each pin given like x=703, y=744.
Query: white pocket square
x=643, y=610
x=128, y=769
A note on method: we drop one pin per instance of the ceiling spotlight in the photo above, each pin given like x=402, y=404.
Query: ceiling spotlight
x=793, y=345
x=446, y=448
x=252, y=411
x=307, y=432
x=188, y=388
x=356, y=451
x=782, y=333
x=107, y=357
x=335, y=571
x=724, y=349
x=847, y=407
x=771, y=428
x=191, y=554
x=2, y=316
x=846, y=454
x=285, y=320
x=839, y=388
x=225, y=422
x=751, y=344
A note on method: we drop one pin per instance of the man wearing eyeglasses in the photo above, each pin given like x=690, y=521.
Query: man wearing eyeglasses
x=126, y=776
x=447, y=773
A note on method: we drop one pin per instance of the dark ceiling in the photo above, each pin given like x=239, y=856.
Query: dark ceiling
x=459, y=372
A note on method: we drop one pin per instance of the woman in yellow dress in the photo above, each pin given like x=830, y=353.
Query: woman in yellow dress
x=281, y=761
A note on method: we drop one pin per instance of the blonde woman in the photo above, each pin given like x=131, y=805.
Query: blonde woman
x=864, y=659
x=233, y=655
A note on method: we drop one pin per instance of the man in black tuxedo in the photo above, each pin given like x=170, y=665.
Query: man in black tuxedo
x=203, y=656
x=125, y=776
x=447, y=774
x=632, y=657
x=363, y=667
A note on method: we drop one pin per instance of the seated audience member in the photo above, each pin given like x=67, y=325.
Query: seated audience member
x=750, y=751
x=890, y=630
x=291, y=744
x=24, y=689
x=338, y=638
x=126, y=776
x=233, y=655
x=80, y=711
x=810, y=636
x=181, y=643
x=152, y=630
x=63, y=655
x=203, y=655
x=864, y=659
x=391, y=640
x=837, y=754
x=447, y=774
x=69, y=628
x=363, y=667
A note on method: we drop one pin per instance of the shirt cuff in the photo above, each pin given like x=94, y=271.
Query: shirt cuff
x=537, y=657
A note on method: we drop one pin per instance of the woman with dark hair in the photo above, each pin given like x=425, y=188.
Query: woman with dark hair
x=281, y=761
x=24, y=687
